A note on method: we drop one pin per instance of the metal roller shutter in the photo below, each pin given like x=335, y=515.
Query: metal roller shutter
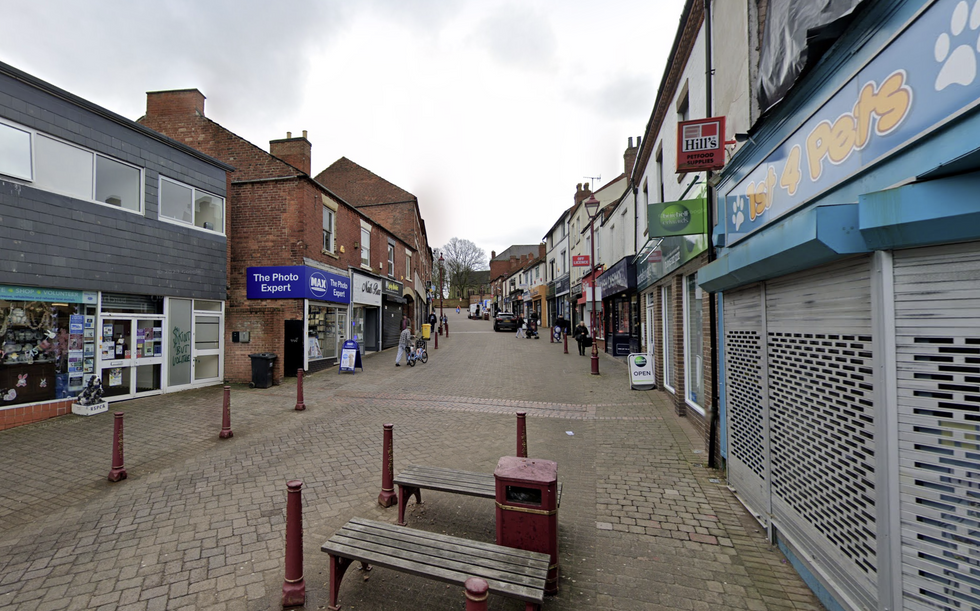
x=937, y=320
x=391, y=319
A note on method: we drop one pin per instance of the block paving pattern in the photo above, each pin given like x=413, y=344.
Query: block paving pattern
x=200, y=521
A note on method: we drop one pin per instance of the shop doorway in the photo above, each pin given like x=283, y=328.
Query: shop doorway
x=130, y=355
x=292, y=359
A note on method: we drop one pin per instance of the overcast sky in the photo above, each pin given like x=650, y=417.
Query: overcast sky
x=489, y=111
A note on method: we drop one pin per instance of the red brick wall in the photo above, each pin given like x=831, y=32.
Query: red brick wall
x=27, y=414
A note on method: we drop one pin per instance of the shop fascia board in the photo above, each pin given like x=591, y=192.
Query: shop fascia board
x=815, y=236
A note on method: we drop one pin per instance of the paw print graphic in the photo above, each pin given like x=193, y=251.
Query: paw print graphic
x=738, y=217
x=959, y=65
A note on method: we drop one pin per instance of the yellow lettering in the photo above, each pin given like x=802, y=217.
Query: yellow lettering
x=890, y=103
x=791, y=176
x=817, y=145
x=842, y=138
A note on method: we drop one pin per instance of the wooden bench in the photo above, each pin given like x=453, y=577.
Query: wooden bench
x=508, y=571
x=413, y=479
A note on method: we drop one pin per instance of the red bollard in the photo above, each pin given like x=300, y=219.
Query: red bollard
x=565, y=338
x=476, y=594
x=226, y=416
x=300, y=406
x=522, y=434
x=436, y=335
x=117, y=472
x=447, y=329
x=551, y=336
x=387, y=498
x=294, y=588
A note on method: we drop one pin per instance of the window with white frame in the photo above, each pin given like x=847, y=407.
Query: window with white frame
x=667, y=321
x=15, y=152
x=365, y=247
x=329, y=228
x=184, y=204
x=391, y=260
x=408, y=267
x=693, y=344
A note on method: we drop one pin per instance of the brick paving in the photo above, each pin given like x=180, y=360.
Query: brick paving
x=200, y=521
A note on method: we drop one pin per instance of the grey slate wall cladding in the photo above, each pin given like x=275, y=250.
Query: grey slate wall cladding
x=51, y=240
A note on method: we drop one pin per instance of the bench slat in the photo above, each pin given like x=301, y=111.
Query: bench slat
x=448, y=480
x=527, y=594
x=433, y=557
x=489, y=551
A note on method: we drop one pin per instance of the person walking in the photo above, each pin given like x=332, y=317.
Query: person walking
x=520, y=326
x=406, y=321
x=404, y=343
x=457, y=309
x=581, y=335
x=432, y=321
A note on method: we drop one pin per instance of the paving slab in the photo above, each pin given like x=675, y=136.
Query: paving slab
x=200, y=521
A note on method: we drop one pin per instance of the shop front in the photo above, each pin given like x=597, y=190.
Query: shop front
x=539, y=295
x=313, y=342
x=617, y=287
x=366, y=311
x=53, y=342
x=593, y=319
x=392, y=312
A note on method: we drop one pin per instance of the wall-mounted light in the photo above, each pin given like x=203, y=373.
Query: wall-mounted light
x=355, y=245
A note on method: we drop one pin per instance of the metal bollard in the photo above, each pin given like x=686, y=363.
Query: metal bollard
x=387, y=498
x=476, y=594
x=521, y=434
x=300, y=406
x=294, y=587
x=226, y=416
x=436, y=336
x=118, y=471
x=447, y=329
x=565, y=338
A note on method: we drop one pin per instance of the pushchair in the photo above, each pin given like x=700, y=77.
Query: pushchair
x=532, y=329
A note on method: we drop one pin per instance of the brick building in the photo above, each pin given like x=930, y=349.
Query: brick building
x=305, y=269
x=396, y=209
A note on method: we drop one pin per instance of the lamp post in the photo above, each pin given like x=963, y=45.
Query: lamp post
x=592, y=208
x=442, y=272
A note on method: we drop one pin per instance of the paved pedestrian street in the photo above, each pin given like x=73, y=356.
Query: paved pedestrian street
x=200, y=521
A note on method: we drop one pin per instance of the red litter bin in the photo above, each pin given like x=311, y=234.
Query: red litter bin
x=527, y=508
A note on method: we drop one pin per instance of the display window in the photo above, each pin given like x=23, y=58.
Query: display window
x=325, y=331
x=46, y=347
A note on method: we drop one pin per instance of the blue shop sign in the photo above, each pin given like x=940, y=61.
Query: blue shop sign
x=296, y=282
x=27, y=293
x=902, y=94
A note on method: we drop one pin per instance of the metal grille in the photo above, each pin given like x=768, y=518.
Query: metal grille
x=744, y=399
x=822, y=427
x=938, y=378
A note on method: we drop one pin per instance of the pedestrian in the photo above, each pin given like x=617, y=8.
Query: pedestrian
x=445, y=322
x=404, y=343
x=406, y=321
x=432, y=321
x=457, y=309
x=581, y=335
x=520, y=326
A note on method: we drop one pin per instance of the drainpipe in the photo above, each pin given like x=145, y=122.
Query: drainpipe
x=710, y=203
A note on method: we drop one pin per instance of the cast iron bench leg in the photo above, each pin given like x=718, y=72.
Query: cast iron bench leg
x=532, y=607
x=403, y=493
x=338, y=566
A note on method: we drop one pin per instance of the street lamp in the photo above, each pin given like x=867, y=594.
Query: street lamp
x=592, y=209
x=442, y=272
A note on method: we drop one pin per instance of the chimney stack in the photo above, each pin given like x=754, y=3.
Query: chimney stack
x=581, y=194
x=294, y=151
x=179, y=102
x=629, y=157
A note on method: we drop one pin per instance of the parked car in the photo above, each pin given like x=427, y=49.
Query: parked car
x=505, y=321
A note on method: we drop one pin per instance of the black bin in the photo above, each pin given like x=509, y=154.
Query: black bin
x=262, y=364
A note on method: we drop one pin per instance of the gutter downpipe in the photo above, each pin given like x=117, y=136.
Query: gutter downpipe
x=712, y=310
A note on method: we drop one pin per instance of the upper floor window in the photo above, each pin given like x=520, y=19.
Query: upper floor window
x=408, y=267
x=184, y=204
x=68, y=169
x=391, y=260
x=328, y=229
x=365, y=247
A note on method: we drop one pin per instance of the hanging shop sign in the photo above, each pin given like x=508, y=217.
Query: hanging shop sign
x=685, y=217
x=865, y=121
x=580, y=260
x=701, y=145
x=296, y=282
x=367, y=289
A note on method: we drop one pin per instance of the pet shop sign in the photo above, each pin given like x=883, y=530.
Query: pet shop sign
x=900, y=95
x=296, y=282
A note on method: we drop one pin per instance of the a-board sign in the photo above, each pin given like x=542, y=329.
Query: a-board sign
x=641, y=371
x=350, y=357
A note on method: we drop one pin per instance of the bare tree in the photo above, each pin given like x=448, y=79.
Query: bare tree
x=461, y=258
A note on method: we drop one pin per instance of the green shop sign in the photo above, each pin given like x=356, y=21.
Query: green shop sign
x=26, y=293
x=684, y=217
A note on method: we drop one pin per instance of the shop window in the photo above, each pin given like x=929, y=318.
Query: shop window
x=328, y=229
x=391, y=260
x=15, y=152
x=189, y=206
x=693, y=344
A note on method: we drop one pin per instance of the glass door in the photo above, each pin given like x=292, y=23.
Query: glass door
x=130, y=356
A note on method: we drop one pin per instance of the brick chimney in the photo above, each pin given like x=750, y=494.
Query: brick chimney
x=541, y=250
x=629, y=157
x=581, y=193
x=493, y=255
x=179, y=102
x=294, y=151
